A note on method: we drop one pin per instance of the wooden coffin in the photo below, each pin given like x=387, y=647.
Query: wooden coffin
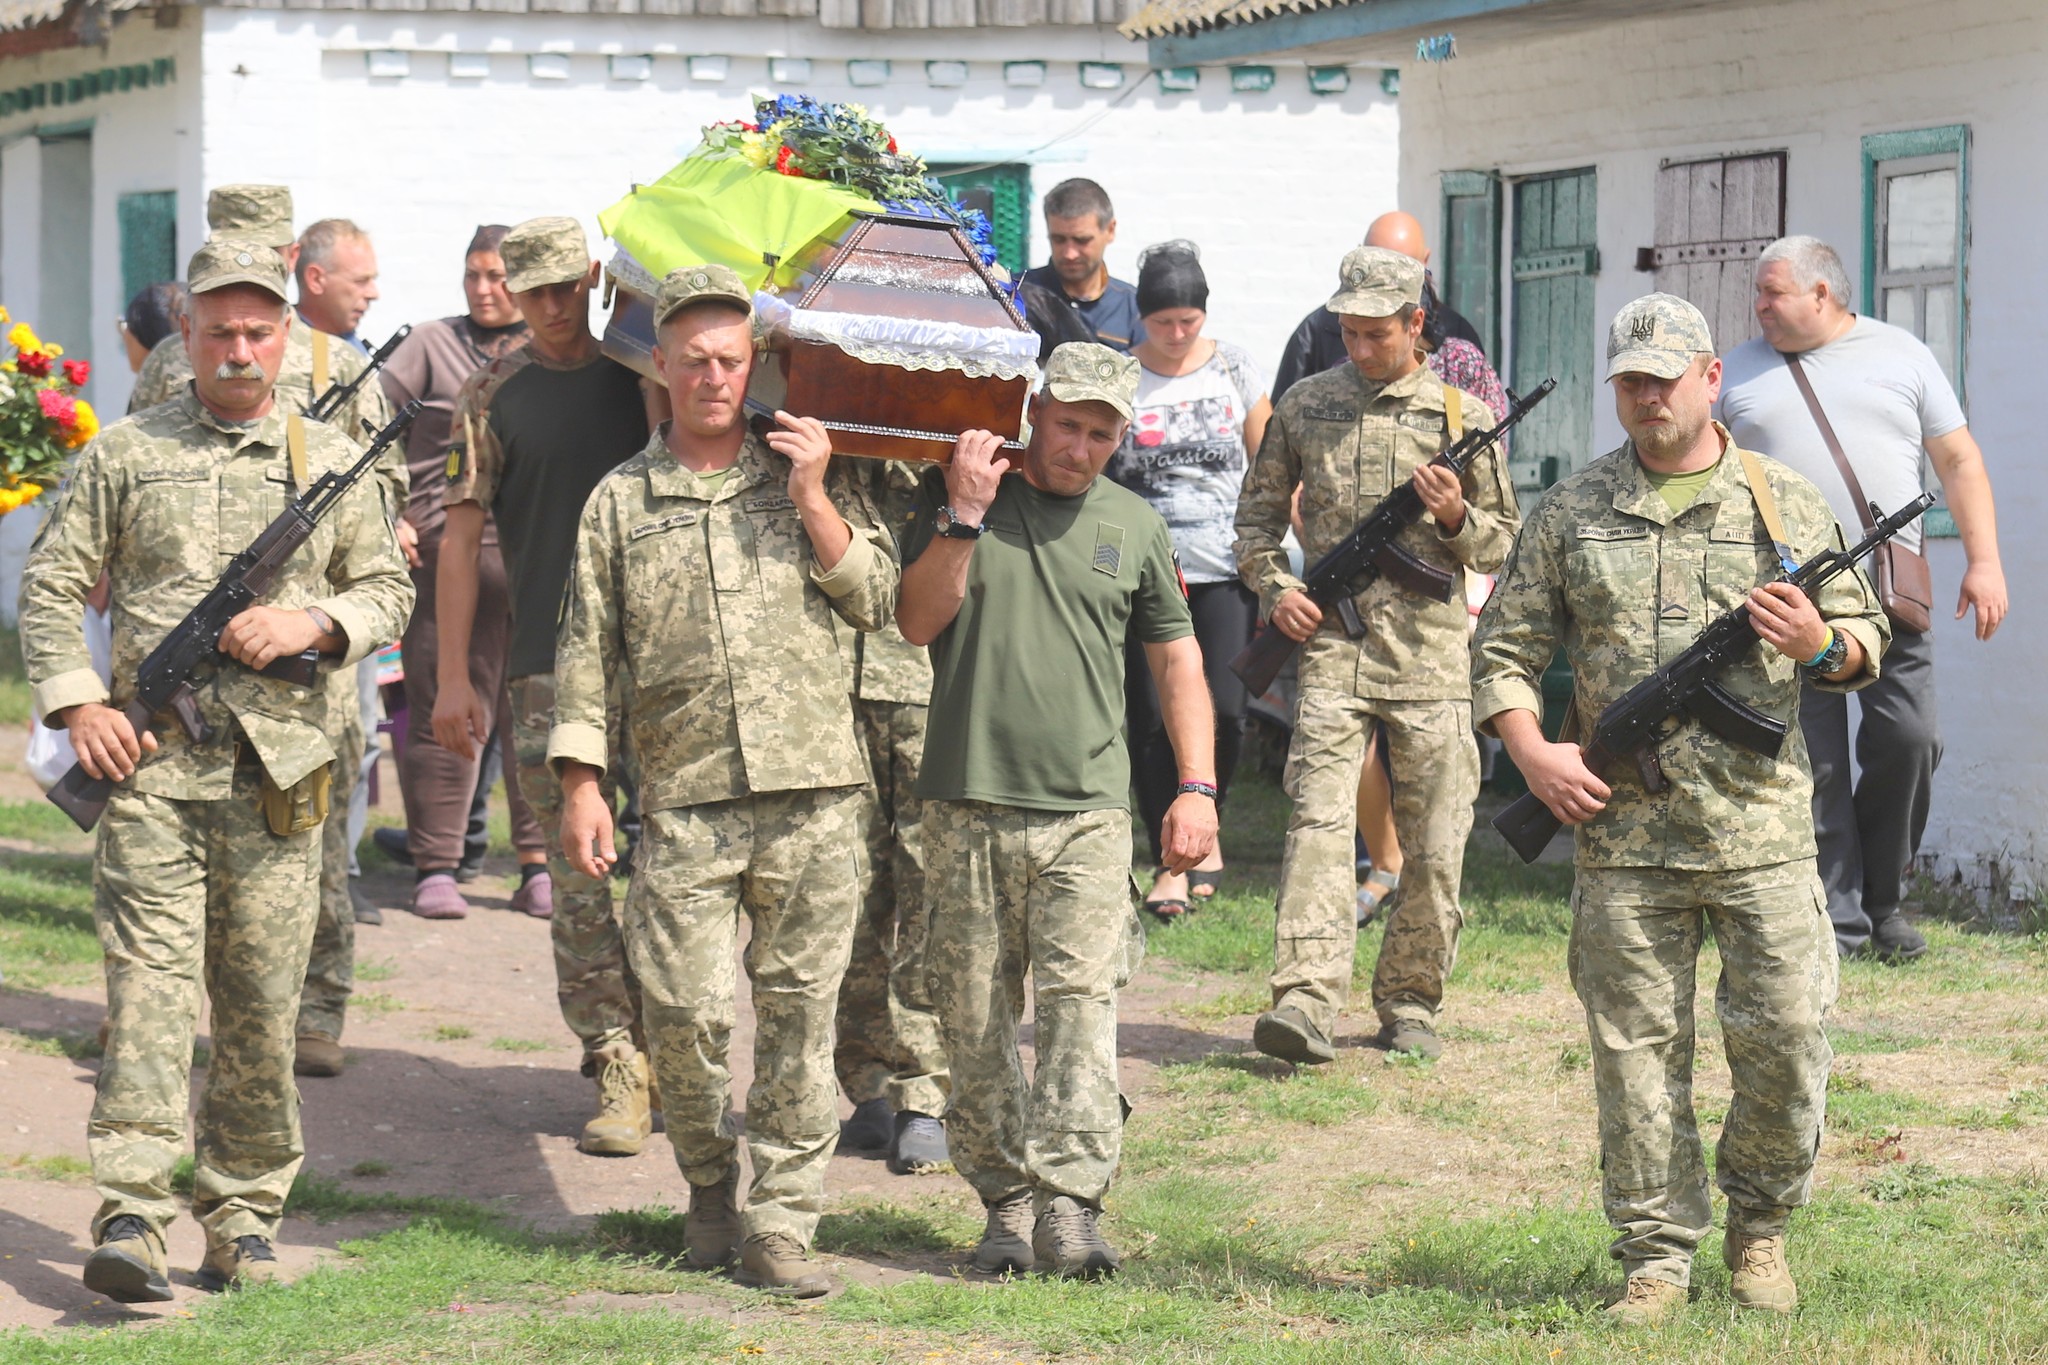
x=861, y=342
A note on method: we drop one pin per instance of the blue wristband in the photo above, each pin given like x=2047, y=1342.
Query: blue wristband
x=1823, y=650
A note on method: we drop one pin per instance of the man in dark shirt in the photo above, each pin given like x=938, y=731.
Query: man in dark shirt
x=1318, y=343
x=1080, y=223
x=534, y=432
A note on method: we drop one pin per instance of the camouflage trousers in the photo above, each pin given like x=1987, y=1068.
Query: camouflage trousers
x=888, y=1032
x=1636, y=935
x=599, y=998
x=1048, y=892
x=790, y=861
x=331, y=970
x=186, y=892
x=1436, y=778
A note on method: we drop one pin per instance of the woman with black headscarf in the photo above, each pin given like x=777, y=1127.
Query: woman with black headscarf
x=1200, y=412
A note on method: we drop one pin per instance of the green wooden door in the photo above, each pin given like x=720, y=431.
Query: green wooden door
x=1004, y=194
x=1469, y=273
x=1555, y=259
x=149, y=240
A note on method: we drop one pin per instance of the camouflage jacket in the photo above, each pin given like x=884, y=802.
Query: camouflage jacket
x=167, y=374
x=161, y=501
x=1606, y=571
x=1347, y=443
x=887, y=667
x=707, y=610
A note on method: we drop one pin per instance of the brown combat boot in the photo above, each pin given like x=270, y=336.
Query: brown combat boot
x=317, y=1055
x=1005, y=1247
x=1646, y=1302
x=1758, y=1275
x=238, y=1264
x=623, y=1119
x=711, y=1229
x=128, y=1265
x=779, y=1264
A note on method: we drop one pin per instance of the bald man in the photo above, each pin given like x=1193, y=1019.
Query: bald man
x=1318, y=344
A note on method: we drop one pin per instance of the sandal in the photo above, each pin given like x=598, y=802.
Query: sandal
x=1370, y=900
x=1202, y=885
x=1166, y=909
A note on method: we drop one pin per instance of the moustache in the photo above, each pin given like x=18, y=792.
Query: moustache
x=230, y=370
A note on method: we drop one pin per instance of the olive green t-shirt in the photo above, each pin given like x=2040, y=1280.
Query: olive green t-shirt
x=1680, y=491
x=1028, y=681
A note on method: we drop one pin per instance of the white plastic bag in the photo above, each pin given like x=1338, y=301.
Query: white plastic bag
x=49, y=754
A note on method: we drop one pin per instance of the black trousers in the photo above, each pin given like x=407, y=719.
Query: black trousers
x=1225, y=615
x=1869, y=824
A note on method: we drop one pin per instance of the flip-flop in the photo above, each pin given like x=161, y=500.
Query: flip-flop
x=1167, y=911
x=1202, y=885
x=1370, y=901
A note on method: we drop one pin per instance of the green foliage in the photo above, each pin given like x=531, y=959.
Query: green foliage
x=518, y=1045
x=14, y=689
x=450, y=1033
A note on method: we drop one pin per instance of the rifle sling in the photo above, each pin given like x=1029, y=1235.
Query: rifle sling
x=319, y=362
x=1767, y=506
x=295, y=447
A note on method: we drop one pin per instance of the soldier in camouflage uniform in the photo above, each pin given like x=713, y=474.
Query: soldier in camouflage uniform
x=1347, y=438
x=1622, y=565
x=206, y=866
x=1028, y=591
x=708, y=571
x=890, y=1060
x=534, y=431
x=312, y=362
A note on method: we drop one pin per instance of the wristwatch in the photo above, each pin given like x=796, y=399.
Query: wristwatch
x=946, y=522
x=1833, y=657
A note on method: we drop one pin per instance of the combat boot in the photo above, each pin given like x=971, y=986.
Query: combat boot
x=711, y=1229
x=1757, y=1274
x=1415, y=1037
x=1066, y=1242
x=870, y=1128
x=778, y=1263
x=1005, y=1247
x=623, y=1119
x=317, y=1055
x=1286, y=1033
x=238, y=1264
x=128, y=1265
x=919, y=1146
x=1646, y=1302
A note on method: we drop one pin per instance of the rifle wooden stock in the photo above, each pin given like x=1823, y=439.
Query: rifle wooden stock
x=1260, y=662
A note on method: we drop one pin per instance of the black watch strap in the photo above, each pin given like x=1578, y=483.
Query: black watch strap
x=947, y=523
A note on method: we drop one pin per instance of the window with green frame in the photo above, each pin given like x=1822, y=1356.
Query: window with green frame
x=1916, y=237
x=1004, y=194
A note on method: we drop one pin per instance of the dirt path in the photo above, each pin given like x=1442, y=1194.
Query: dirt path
x=447, y=1113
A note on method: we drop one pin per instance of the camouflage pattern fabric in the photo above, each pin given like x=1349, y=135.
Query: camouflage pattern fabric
x=1376, y=282
x=256, y=213
x=187, y=892
x=599, y=997
x=1636, y=935
x=188, y=877
x=1348, y=442
x=331, y=968
x=1607, y=570
x=790, y=861
x=1013, y=890
x=889, y=1044
x=544, y=251
x=1436, y=778
x=705, y=603
x=888, y=667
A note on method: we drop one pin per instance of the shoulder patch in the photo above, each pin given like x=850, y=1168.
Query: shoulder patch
x=1109, y=549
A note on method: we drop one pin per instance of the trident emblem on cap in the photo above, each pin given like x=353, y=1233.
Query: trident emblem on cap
x=699, y=280
x=244, y=258
x=1642, y=329
x=1106, y=368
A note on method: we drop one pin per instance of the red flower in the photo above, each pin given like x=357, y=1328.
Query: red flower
x=60, y=408
x=785, y=161
x=34, y=363
x=76, y=372
x=892, y=146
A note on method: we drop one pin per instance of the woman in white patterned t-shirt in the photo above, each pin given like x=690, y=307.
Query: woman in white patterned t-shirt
x=1200, y=412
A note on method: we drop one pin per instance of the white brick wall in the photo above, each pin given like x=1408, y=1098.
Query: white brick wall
x=1813, y=77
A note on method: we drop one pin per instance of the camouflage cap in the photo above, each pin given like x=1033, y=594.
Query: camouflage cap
x=251, y=213
x=1084, y=372
x=1657, y=334
x=224, y=261
x=544, y=251
x=1375, y=282
x=700, y=284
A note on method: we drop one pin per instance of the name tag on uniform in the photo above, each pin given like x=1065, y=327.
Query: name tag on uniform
x=171, y=475
x=668, y=523
x=1421, y=421
x=1315, y=414
x=1614, y=533
x=772, y=502
x=1109, y=549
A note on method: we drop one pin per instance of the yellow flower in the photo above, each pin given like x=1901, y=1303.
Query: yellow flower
x=84, y=428
x=754, y=150
x=23, y=338
x=4, y=318
x=51, y=348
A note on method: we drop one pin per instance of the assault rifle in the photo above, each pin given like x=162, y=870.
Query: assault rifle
x=1371, y=550
x=166, y=676
x=1632, y=725
x=338, y=395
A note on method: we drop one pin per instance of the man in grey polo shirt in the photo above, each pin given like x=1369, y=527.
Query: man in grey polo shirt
x=1887, y=400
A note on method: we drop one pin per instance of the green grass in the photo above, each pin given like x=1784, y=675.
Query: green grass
x=450, y=1033
x=376, y=969
x=518, y=1045
x=62, y=1167
x=40, y=822
x=14, y=690
x=46, y=933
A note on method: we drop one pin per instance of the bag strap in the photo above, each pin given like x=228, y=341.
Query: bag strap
x=1454, y=415
x=295, y=448
x=1767, y=507
x=1827, y=435
x=319, y=362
